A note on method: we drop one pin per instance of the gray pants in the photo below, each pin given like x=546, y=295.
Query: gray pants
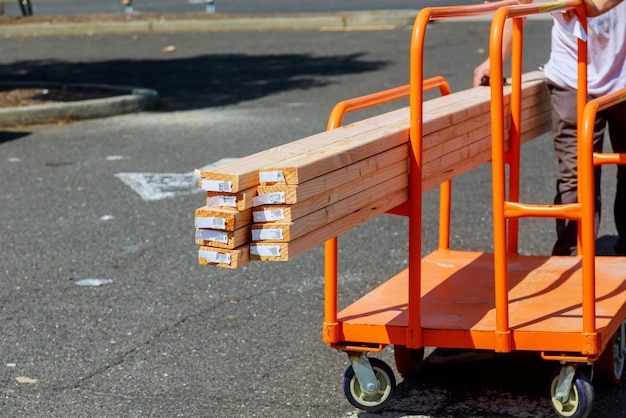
x=565, y=145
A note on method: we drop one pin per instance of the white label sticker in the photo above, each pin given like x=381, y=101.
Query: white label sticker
x=268, y=215
x=271, y=176
x=221, y=200
x=269, y=234
x=265, y=250
x=214, y=257
x=212, y=235
x=269, y=199
x=210, y=222
x=216, y=185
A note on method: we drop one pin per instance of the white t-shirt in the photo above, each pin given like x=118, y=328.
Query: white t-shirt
x=606, y=69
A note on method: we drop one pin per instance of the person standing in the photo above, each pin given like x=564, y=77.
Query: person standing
x=606, y=34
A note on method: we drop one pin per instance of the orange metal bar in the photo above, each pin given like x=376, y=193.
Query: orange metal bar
x=502, y=208
x=586, y=159
x=445, y=207
x=414, y=337
x=607, y=158
x=516, y=127
x=330, y=326
x=503, y=332
x=524, y=210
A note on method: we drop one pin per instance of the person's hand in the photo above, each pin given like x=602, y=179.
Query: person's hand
x=483, y=70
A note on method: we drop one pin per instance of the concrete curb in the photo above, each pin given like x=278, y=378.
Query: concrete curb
x=92, y=25
x=132, y=100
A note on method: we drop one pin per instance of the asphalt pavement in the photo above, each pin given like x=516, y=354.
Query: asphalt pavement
x=114, y=198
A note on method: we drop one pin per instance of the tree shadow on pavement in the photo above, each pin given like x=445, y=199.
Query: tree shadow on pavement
x=201, y=81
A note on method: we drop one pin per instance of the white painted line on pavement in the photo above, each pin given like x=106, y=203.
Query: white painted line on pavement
x=158, y=186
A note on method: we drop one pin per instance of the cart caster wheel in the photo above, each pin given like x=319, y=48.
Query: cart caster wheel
x=408, y=360
x=370, y=402
x=581, y=397
x=610, y=366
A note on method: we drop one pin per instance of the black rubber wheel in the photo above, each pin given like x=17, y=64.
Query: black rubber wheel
x=370, y=402
x=26, y=7
x=408, y=360
x=609, y=368
x=580, y=401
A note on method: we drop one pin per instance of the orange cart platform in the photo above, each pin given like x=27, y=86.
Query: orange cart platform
x=457, y=301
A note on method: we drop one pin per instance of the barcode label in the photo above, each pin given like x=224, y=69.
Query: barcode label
x=269, y=199
x=212, y=235
x=217, y=185
x=265, y=250
x=221, y=200
x=214, y=257
x=267, y=234
x=271, y=176
x=268, y=215
x=211, y=223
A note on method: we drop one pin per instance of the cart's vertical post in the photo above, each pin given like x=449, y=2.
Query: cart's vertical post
x=587, y=161
x=330, y=334
x=582, y=96
x=586, y=196
x=445, y=197
x=502, y=333
x=414, y=331
x=516, y=129
x=586, y=227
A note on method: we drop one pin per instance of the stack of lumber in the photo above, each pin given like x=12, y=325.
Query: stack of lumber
x=281, y=202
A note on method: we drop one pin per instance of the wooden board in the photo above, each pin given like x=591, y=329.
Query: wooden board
x=296, y=208
x=243, y=173
x=240, y=200
x=354, y=177
x=287, y=251
x=323, y=180
x=443, y=118
x=328, y=159
x=226, y=258
x=289, y=231
x=223, y=239
x=222, y=219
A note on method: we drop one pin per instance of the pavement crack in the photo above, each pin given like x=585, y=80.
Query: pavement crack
x=153, y=338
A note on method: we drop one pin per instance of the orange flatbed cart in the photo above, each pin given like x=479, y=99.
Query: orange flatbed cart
x=569, y=309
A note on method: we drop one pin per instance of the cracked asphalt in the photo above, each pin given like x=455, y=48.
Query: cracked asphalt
x=169, y=337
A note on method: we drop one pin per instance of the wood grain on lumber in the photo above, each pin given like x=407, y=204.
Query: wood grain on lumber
x=222, y=219
x=300, y=208
x=287, y=251
x=478, y=127
x=439, y=167
x=346, y=176
x=243, y=173
x=223, y=239
x=288, y=231
x=306, y=167
x=443, y=118
x=226, y=258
